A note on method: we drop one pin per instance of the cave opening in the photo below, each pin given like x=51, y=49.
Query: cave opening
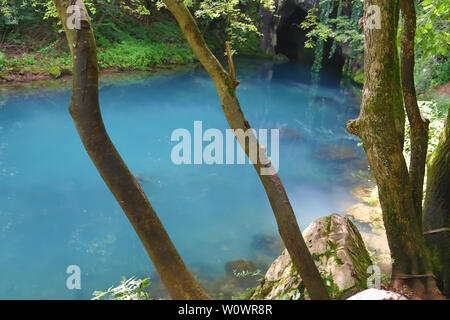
x=291, y=41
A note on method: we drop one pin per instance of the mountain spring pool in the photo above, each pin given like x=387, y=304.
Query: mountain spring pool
x=55, y=210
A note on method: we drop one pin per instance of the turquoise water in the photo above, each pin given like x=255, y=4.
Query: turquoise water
x=55, y=210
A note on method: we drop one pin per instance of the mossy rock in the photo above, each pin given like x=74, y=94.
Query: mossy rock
x=340, y=255
x=57, y=72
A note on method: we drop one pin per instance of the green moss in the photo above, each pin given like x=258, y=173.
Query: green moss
x=293, y=271
x=328, y=225
x=359, y=255
x=359, y=78
x=265, y=288
x=250, y=47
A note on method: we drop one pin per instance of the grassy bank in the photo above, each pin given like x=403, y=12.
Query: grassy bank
x=156, y=44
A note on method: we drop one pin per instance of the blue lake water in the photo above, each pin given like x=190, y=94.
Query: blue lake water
x=55, y=210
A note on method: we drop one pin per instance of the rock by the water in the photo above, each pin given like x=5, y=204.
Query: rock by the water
x=375, y=294
x=340, y=254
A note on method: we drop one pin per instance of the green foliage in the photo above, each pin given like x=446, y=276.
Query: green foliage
x=431, y=71
x=3, y=59
x=246, y=273
x=322, y=26
x=318, y=28
x=128, y=289
x=433, y=36
x=142, y=55
x=127, y=37
x=434, y=110
x=432, y=45
x=237, y=23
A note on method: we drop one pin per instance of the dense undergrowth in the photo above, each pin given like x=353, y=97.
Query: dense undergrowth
x=156, y=44
x=125, y=42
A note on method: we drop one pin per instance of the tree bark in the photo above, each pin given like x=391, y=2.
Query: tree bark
x=85, y=110
x=418, y=125
x=380, y=126
x=284, y=215
x=437, y=210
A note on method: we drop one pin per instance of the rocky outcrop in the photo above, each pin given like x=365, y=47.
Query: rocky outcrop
x=340, y=255
x=271, y=22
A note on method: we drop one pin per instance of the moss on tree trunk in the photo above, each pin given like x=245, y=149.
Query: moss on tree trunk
x=437, y=210
x=380, y=126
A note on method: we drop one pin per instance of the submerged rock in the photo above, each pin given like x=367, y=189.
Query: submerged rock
x=240, y=265
x=267, y=244
x=337, y=152
x=290, y=134
x=340, y=254
x=232, y=285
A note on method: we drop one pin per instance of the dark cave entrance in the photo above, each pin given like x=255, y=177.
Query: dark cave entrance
x=291, y=41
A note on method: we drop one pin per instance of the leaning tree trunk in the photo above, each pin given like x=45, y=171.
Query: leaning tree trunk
x=284, y=215
x=437, y=210
x=85, y=110
x=380, y=126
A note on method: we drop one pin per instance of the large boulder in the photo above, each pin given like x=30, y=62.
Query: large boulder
x=340, y=254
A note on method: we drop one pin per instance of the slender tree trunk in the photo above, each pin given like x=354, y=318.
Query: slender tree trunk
x=285, y=217
x=85, y=111
x=380, y=126
x=437, y=210
x=418, y=125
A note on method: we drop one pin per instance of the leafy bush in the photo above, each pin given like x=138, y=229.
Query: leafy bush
x=140, y=55
x=128, y=289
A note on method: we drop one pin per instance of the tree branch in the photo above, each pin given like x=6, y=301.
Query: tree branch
x=285, y=217
x=85, y=111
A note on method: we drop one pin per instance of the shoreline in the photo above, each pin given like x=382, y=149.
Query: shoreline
x=47, y=82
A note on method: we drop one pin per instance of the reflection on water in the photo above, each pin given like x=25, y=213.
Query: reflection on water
x=55, y=210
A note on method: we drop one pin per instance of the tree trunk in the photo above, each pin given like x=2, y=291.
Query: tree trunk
x=437, y=210
x=85, y=111
x=284, y=215
x=418, y=125
x=380, y=126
